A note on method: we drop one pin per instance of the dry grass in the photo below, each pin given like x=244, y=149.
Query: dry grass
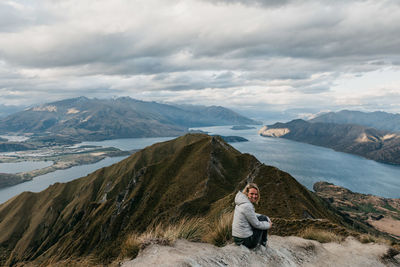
x=221, y=230
x=322, y=236
x=217, y=232
x=367, y=238
x=190, y=229
x=81, y=262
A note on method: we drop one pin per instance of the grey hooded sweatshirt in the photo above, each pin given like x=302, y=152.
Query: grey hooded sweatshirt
x=245, y=218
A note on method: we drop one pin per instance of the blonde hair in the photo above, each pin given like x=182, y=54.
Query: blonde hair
x=250, y=186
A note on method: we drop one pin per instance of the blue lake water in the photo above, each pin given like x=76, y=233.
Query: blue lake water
x=307, y=163
x=40, y=183
x=310, y=164
x=25, y=166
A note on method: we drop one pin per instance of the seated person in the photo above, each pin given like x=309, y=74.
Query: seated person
x=249, y=228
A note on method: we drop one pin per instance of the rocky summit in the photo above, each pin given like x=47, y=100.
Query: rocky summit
x=195, y=175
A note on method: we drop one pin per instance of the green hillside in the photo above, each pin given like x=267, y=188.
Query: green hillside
x=194, y=175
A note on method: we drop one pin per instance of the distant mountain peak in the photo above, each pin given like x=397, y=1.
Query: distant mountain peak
x=378, y=119
x=116, y=118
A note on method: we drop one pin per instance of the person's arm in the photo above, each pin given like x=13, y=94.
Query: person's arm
x=253, y=220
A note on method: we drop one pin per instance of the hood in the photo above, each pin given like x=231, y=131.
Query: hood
x=241, y=199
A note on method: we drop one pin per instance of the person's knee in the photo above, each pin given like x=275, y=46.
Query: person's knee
x=262, y=218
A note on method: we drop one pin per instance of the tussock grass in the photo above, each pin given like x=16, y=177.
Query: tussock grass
x=217, y=232
x=322, y=236
x=190, y=229
x=365, y=238
x=221, y=230
x=368, y=238
x=81, y=262
x=130, y=248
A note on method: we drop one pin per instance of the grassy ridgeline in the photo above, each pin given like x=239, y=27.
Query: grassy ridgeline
x=194, y=177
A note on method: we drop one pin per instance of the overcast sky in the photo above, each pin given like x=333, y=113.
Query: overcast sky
x=266, y=55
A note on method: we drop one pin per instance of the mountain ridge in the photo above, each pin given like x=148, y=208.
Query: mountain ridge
x=378, y=119
x=193, y=175
x=99, y=119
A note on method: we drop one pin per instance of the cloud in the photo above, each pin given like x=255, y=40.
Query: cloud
x=288, y=51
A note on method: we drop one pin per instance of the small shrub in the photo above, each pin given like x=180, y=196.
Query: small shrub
x=322, y=236
x=367, y=239
x=221, y=230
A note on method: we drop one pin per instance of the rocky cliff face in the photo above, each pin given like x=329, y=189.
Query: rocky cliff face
x=275, y=132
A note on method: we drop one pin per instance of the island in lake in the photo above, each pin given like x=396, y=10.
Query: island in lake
x=242, y=127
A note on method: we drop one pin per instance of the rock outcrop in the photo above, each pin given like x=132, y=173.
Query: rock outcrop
x=275, y=132
x=281, y=251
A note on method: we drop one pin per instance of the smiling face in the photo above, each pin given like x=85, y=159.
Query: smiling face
x=252, y=195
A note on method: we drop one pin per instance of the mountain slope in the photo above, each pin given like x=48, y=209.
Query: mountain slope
x=378, y=119
x=373, y=144
x=95, y=119
x=193, y=175
x=382, y=213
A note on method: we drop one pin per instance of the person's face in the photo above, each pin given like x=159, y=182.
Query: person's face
x=253, y=195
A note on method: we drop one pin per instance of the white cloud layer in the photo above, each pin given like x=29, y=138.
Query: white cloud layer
x=256, y=54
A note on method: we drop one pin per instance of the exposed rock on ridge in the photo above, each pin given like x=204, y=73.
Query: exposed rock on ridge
x=281, y=251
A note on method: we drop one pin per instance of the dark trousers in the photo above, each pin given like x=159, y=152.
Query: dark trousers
x=258, y=237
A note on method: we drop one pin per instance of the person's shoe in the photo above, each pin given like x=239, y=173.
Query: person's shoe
x=263, y=248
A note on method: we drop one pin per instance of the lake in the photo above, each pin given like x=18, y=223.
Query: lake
x=40, y=183
x=307, y=163
x=25, y=166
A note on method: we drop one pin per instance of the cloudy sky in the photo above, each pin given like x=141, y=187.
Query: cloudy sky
x=254, y=54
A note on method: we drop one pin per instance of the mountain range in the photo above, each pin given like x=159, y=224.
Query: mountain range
x=99, y=119
x=6, y=110
x=379, y=145
x=195, y=175
x=378, y=119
